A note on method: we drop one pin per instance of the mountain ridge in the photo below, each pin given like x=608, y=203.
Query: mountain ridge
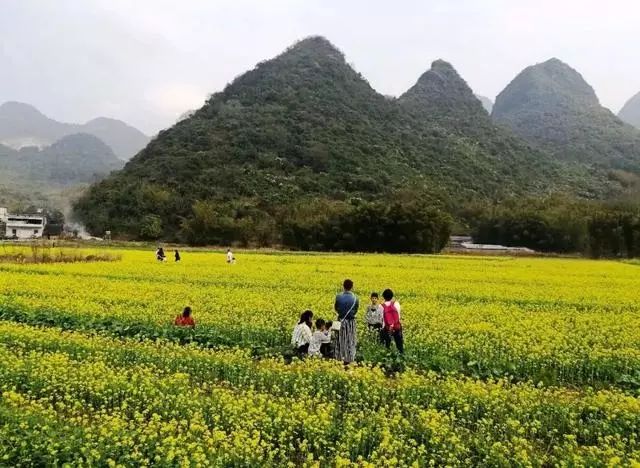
x=441, y=97
x=22, y=124
x=75, y=158
x=553, y=107
x=630, y=112
x=301, y=126
x=442, y=89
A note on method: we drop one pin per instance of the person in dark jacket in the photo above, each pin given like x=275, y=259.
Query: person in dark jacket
x=160, y=254
x=346, y=306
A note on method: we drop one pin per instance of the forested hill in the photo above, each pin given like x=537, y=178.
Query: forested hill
x=303, y=126
x=23, y=125
x=441, y=93
x=441, y=98
x=554, y=108
x=74, y=159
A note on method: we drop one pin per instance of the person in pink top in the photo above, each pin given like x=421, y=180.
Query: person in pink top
x=391, y=325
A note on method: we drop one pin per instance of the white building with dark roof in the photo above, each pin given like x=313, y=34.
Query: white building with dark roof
x=22, y=226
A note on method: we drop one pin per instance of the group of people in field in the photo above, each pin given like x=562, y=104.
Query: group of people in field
x=333, y=339
x=338, y=339
x=161, y=256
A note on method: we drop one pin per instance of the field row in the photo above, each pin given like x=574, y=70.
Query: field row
x=510, y=362
x=554, y=321
x=72, y=397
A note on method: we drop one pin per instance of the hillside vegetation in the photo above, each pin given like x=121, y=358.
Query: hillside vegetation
x=23, y=125
x=306, y=126
x=54, y=175
x=442, y=99
x=554, y=108
x=73, y=159
x=46, y=163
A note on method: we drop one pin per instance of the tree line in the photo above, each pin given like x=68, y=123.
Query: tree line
x=323, y=225
x=558, y=225
x=410, y=221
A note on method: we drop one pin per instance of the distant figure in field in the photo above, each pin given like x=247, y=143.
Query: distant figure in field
x=230, y=258
x=320, y=339
x=160, y=254
x=185, y=319
x=177, y=255
x=392, y=328
x=301, y=336
x=346, y=306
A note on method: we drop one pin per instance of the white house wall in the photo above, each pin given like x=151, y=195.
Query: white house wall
x=24, y=233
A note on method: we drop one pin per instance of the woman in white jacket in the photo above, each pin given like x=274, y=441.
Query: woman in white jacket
x=301, y=336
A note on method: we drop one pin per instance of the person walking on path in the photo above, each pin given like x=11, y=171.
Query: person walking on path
x=392, y=327
x=346, y=306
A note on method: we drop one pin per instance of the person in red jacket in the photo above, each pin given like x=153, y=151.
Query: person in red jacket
x=185, y=319
x=391, y=325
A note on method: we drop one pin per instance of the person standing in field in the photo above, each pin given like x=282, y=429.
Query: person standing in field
x=373, y=316
x=185, y=319
x=392, y=327
x=177, y=256
x=230, y=258
x=346, y=305
x=301, y=336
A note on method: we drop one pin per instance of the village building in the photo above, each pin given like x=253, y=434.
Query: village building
x=466, y=244
x=21, y=226
x=455, y=242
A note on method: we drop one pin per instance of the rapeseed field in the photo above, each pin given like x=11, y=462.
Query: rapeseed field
x=509, y=362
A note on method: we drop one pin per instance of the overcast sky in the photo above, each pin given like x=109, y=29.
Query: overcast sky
x=148, y=61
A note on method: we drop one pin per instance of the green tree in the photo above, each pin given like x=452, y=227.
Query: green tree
x=151, y=227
